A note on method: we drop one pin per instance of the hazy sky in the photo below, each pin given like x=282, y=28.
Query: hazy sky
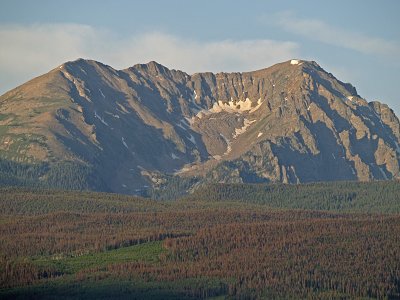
x=357, y=41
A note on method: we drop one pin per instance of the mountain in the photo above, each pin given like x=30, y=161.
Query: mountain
x=86, y=125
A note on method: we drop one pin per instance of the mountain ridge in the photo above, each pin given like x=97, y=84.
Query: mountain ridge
x=135, y=128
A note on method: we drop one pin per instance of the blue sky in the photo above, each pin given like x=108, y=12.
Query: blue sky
x=358, y=41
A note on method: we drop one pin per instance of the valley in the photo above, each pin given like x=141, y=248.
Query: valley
x=341, y=241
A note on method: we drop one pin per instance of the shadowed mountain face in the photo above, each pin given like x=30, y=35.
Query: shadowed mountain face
x=292, y=122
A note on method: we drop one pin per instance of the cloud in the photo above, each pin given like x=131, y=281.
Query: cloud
x=320, y=31
x=194, y=56
x=28, y=51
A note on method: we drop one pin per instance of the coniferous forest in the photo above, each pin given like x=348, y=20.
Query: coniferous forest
x=319, y=241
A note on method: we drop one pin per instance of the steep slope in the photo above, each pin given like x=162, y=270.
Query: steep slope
x=309, y=127
x=124, y=130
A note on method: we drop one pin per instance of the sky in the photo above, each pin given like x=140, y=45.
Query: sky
x=358, y=41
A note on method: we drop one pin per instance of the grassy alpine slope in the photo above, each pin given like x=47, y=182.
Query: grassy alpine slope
x=273, y=243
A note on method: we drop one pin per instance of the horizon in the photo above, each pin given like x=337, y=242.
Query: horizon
x=182, y=70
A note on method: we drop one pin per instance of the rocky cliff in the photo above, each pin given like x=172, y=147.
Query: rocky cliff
x=292, y=122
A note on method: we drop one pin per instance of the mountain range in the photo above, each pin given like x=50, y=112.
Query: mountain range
x=85, y=125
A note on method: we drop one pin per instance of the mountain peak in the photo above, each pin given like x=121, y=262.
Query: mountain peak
x=153, y=68
x=82, y=63
x=291, y=122
x=79, y=62
x=322, y=76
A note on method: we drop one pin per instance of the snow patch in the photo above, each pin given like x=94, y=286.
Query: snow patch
x=228, y=144
x=259, y=134
x=101, y=93
x=383, y=173
x=181, y=126
x=378, y=116
x=294, y=62
x=243, y=129
x=353, y=171
x=232, y=106
x=83, y=71
x=100, y=118
x=184, y=169
x=174, y=156
x=184, y=122
x=259, y=102
x=124, y=143
x=197, y=109
x=192, y=139
x=68, y=76
x=240, y=106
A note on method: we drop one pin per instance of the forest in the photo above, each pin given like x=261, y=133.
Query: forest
x=67, y=175
x=318, y=241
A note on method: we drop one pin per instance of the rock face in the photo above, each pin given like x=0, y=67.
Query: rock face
x=292, y=122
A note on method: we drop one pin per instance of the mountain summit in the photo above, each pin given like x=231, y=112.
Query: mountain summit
x=87, y=125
